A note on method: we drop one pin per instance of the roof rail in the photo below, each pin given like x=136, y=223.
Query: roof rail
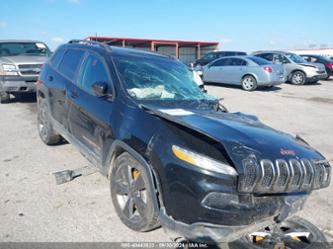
x=93, y=43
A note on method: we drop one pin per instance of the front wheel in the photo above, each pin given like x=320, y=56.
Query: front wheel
x=131, y=194
x=293, y=233
x=4, y=97
x=298, y=78
x=249, y=83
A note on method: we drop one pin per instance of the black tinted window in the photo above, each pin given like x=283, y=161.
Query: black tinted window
x=93, y=70
x=218, y=63
x=259, y=61
x=70, y=63
x=209, y=56
x=57, y=57
x=237, y=62
x=268, y=57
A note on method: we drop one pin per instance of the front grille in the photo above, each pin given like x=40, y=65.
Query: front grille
x=29, y=69
x=284, y=176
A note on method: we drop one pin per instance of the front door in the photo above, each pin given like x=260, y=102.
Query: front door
x=89, y=115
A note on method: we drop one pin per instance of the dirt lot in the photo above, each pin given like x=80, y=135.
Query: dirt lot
x=33, y=208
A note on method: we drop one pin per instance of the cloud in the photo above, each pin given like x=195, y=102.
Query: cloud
x=74, y=1
x=3, y=24
x=57, y=39
x=272, y=42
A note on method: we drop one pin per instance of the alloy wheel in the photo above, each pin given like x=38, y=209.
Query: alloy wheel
x=298, y=78
x=289, y=234
x=131, y=192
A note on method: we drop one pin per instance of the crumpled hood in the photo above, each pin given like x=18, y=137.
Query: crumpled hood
x=240, y=134
x=23, y=59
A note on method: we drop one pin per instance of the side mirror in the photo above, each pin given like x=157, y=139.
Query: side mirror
x=100, y=89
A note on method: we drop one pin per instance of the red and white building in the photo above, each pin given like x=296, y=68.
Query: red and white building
x=186, y=51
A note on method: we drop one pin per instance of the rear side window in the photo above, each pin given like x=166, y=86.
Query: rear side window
x=259, y=61
x=57, y=57
x=71, y=62
x=238, y=62
x=93, y=70
x=268, y=57
x=210, y=56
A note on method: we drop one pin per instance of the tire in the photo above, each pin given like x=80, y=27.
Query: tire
x=44, y=125
x=131, y=194
x=316, y=239
x=298, y=78
x=4, y=97
x=249, y=83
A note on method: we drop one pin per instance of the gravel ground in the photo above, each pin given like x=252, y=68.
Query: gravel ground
x=33, y=208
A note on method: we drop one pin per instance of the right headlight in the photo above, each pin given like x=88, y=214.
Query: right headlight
x=202, y=161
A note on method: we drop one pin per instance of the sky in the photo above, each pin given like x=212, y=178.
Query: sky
x=245, y=25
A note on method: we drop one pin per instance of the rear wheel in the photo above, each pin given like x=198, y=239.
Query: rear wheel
x=293, y=233
x=131, y=194
x=45, y=129
x=298, y=78
x=4, y=97
x=249, y=83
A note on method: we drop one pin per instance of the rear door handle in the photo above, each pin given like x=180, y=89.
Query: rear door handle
x=50, y=78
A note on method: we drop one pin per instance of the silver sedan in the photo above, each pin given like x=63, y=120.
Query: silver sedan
x=247, y=71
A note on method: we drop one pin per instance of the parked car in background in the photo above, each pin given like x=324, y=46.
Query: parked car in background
x=20, y=65
x=299, y=71
x=246, y=71
x=213, y=56
x=322, y=60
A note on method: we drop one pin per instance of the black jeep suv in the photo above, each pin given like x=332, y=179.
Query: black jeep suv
x=173, y=154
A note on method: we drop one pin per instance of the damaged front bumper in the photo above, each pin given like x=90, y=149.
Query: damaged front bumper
x=212, y=233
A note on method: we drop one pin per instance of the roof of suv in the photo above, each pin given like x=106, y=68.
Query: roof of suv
x=271, y=51
x=116, y=51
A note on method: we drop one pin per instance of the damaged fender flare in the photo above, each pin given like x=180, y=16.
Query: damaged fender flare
x=123, y=147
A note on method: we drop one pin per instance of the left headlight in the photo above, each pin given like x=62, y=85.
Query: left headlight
x=202, y=161
x=8, y=69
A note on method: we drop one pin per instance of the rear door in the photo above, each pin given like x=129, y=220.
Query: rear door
x=89, y=115
x=65, y=63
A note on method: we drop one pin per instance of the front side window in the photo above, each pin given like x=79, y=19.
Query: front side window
x=70, y=63
x=295, y=58
x=93, y=71
x=24, y=48
x=219, y=63
x=158, y=79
